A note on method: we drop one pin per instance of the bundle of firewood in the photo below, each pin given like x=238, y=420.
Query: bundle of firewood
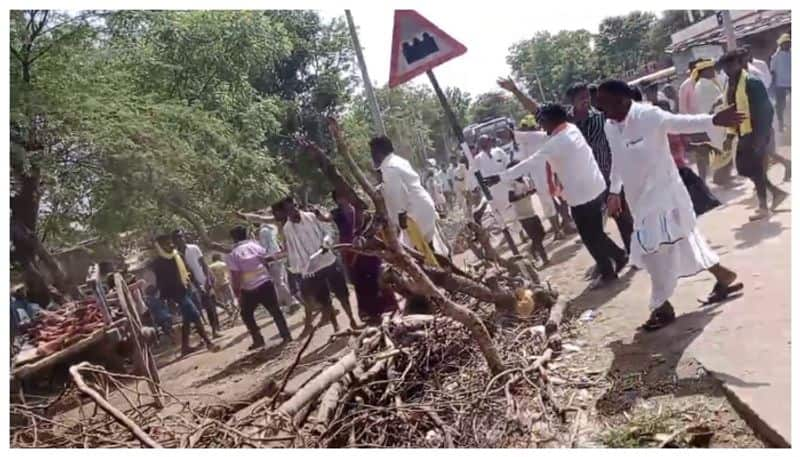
x=52, y=331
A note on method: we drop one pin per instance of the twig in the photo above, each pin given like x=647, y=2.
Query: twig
x=292, y=367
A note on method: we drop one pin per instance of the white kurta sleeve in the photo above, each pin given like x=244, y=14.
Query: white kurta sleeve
x=615, y=186
x=680, y=123
x=523, y=168
x=395, y=193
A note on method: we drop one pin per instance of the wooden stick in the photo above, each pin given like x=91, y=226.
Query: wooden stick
x=74, y=371
x=294, y=365
x=319, y=384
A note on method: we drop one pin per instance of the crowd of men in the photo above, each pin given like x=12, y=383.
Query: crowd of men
x=612, y=151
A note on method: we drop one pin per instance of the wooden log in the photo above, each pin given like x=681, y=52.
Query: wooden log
x=315, y=387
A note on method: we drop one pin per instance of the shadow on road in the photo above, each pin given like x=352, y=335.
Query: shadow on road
x=753, y=233
x=651, y=365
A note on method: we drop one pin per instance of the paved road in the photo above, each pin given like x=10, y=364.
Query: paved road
x=745, y=343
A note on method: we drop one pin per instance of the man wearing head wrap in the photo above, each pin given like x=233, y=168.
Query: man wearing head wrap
x=686, y=91
x=781, y=66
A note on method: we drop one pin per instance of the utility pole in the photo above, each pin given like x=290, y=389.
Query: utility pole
x=724, y=16
x=373, y=101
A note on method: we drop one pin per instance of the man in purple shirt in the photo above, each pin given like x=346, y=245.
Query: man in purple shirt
x=253, y=285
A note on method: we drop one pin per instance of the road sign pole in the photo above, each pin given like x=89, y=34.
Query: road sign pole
x=451, y=117
x=380, y=129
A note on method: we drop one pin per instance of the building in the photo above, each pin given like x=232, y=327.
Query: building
x=759, y=29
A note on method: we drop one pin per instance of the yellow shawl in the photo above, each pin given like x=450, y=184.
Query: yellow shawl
x=415, y=234
x=742, y=106
x=182, y=271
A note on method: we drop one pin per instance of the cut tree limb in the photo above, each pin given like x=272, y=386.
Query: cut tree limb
x=120, y=417
x=319, y=384
x=463, y=315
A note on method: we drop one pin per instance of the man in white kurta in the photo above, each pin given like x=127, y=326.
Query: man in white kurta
x=404, y=194
x=666, y=241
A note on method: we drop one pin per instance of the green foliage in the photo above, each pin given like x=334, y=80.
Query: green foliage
x=548, y=63
x=140, y=119
x=622, y=42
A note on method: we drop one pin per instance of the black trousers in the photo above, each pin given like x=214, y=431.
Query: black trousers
x=623, y=219
x=535, y=230
x=588, y=219
x=209, y=304
x=265, y=296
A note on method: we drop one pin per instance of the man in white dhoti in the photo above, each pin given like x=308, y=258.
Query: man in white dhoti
x=409, y=205
x=666, y=241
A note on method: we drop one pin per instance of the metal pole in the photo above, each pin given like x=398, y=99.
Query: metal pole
x=380, y=129
x=727, y=26
x=468, y=153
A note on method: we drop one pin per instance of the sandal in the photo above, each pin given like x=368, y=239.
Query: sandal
x=659, y=318
x=721, y=293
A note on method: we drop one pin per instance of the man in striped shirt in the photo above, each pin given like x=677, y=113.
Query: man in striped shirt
x=591, y=123
x=304, y=237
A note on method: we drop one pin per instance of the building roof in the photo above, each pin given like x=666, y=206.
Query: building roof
x=745, y=23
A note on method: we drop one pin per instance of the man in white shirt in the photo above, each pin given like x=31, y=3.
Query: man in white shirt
x=781, y=66
x=686, y=91
x=405, y=197
x=460, y=185
x=571, y=158
x=201, y=277
x=491, y=161
x=666, y=241
x=707, y=95
x=757, y=67
x=305, y=236
x=268, y=238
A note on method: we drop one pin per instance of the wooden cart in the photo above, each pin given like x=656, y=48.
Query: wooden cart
x=129, y=327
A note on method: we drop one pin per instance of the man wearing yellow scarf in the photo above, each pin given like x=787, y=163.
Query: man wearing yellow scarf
x=755, y=133
x=172, y=281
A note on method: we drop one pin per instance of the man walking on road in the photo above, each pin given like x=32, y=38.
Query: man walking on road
x=667, y=243
x=781, y=66
x=173, y=283
x=305, y=238
x=253, y=285
x=268, y=238
x=201, y=278
x=755, y=133
x=584, y=188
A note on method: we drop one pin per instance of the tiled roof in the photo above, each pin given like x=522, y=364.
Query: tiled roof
x=759, y=22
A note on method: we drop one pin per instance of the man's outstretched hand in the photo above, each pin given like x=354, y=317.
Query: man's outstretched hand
x=507, y=84
x=728, y=117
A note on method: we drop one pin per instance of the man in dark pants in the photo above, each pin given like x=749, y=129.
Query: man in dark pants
x=591, y=123
x=754, y=133
x=202, y=279
x=172, y=281
x=572, y=160
x=253, y=285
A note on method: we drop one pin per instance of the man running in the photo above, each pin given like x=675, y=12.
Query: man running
x=667, y=242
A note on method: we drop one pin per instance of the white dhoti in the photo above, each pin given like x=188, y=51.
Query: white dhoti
x=669, y=246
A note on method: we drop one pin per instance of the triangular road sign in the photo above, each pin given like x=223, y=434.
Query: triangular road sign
x=418, y=46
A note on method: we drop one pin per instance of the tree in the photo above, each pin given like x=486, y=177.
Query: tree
x=495, y=104
x=548, y=64
x=145, y=120
x=622, y=43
